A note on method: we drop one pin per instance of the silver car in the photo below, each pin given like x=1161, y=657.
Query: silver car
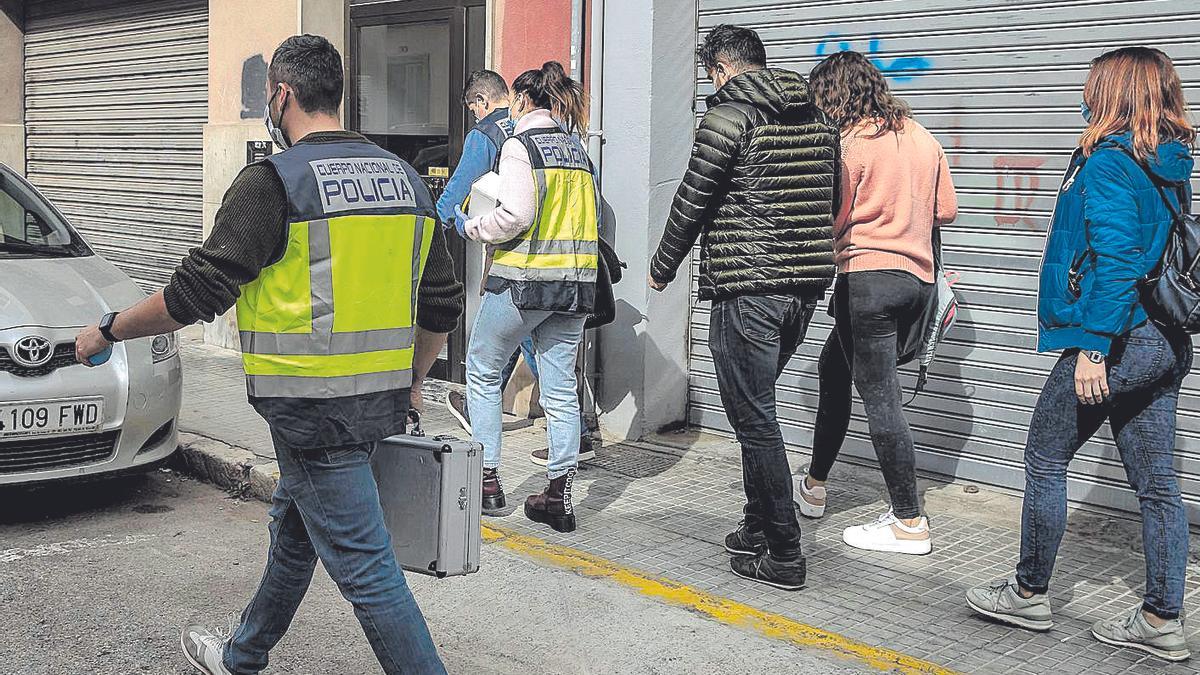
x=60, y=419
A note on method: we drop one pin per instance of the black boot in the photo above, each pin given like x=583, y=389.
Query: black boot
x=553, y=505
x=493, y=493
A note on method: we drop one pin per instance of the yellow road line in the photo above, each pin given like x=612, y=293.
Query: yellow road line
x=714, y=606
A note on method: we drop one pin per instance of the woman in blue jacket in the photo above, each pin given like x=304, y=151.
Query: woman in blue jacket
x=1108, y=231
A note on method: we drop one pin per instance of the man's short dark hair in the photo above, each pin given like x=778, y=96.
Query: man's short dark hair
x=312, y=66
x=737, y=46
x=485, y=83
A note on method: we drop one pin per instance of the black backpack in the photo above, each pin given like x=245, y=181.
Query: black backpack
x=1171, y=292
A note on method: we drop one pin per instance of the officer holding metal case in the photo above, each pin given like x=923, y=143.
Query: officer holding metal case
x=324, y=248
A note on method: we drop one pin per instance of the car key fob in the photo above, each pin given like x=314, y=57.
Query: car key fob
x=100, y=358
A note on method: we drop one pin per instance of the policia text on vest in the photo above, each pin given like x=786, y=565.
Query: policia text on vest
x=554, y=265
x=334, y=317
x=347, y=184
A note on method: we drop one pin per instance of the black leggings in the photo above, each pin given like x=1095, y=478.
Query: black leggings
x=870, y=308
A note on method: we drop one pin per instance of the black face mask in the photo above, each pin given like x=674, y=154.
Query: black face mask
x=275, y=130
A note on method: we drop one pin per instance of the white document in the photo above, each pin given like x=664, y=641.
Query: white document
x=484, y=193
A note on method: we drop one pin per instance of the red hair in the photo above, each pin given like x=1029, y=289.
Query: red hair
x=1136, y=89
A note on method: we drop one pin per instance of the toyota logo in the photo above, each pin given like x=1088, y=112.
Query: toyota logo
x=32, y=351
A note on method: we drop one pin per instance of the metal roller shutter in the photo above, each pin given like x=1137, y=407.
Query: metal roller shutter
x=999, y=82
x=116, y=100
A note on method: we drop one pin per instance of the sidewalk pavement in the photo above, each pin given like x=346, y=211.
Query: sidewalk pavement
x=664, y=507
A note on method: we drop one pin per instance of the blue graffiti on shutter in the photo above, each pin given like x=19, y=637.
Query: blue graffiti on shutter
x=900, y=69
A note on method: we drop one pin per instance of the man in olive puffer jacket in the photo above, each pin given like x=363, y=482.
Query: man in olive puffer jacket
x=759, y=194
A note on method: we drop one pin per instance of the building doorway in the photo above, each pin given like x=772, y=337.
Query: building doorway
x=409, y=60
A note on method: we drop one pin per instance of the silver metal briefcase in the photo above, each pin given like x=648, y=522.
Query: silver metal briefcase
x=431, y=492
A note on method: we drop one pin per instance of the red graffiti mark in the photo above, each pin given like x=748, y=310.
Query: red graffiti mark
x=1011, y=172
x=954, y=158
x=956, y=143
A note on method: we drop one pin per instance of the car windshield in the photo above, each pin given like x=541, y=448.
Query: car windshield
x=31, y=228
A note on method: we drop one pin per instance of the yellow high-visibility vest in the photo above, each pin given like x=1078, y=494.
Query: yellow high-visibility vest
x=335, y=315
x=561, y=250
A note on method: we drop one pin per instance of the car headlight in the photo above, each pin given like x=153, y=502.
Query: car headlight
x=164, y=347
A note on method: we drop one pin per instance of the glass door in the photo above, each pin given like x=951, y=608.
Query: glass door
x=409, y=62
x=403, y=103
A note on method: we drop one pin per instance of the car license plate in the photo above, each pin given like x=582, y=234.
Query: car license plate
x=41, y=418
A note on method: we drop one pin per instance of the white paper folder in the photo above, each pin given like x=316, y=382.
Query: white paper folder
x=484, y=193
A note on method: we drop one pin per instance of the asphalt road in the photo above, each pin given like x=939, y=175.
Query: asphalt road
x=98, y=578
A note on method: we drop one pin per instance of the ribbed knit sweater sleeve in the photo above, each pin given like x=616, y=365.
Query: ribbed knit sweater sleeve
x=247, y=236
x=440, y=299
x=946, y=203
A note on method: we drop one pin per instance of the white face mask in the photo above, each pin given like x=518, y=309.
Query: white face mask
x=273, y=129
x=516, y=109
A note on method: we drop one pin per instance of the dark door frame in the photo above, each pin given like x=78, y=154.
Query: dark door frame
x=422, y=11
x=15, y=10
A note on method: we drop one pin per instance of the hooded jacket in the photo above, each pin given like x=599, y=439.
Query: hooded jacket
x=759, y=192
x=1110, y=224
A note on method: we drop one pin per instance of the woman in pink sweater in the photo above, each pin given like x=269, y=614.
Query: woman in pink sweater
x=895, y=188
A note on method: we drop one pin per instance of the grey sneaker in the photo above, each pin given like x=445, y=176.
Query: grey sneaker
x=1135, y=632
x=1000, y=600
x=203, y=650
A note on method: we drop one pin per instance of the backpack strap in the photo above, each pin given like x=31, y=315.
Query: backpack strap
x=1075, y=272
x=1182, y=205
x=935, y=241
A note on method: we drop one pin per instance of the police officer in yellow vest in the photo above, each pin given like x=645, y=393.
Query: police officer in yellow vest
x=344, y=291
x=542, y=282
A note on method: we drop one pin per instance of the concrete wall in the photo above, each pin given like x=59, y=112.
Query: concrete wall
x=528, y=33
x=12, y=95
x=238, y=53
x=649, y=85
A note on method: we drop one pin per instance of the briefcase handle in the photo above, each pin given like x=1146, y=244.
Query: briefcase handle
x=414, y=424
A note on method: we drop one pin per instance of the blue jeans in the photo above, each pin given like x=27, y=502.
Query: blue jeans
x=499, y=329
x=1146, y=369
x=526, y=352
x=326, y=506
x=752, y=338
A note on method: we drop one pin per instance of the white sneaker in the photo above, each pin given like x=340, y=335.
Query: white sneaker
x=811, y=502
x=889, y=535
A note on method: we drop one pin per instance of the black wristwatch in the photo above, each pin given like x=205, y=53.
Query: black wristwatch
x=1094, y=356
x=106, y=323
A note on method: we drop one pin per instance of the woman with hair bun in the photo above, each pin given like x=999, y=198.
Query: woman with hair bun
x=544, y=234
